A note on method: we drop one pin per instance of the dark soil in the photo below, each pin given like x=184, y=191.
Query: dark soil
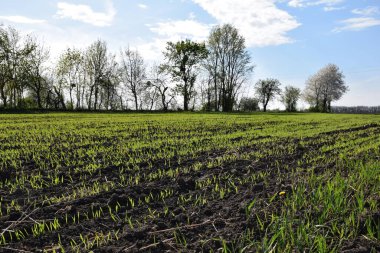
x=188, y=227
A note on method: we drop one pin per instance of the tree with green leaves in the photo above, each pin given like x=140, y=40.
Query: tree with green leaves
x=183, y=59
x=14, y=51
x=248, y=104
x=290, y=98
x=266, y=90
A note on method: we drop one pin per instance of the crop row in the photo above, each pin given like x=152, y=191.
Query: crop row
x=75, y=182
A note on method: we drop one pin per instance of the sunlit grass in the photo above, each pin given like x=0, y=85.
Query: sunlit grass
x=316, y=178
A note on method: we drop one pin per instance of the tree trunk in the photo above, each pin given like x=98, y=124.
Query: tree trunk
x=71, y=98
x=82, y=97
x=324, y=105
x=90, y=98
x=185, y=102
x=136, y=101
x=216, y=94
x=96, y=97
x=185, y=96
x=4, y=98
x=38, y=93
x=209, y=99
x=163, y=100
x=265, y=104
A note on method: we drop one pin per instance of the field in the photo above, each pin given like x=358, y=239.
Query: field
x=189, y=182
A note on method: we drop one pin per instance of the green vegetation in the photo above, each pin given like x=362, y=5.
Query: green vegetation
x=75, y=182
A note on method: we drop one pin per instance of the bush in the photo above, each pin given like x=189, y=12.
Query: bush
x=249, y=105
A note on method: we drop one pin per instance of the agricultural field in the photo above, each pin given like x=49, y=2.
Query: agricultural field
x=189, y=182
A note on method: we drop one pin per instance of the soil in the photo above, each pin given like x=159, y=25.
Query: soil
x=188, y=228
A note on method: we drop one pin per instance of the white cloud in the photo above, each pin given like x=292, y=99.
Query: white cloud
x=328, y=2
x=142, y=6
x=357, y=24
x=368, y=11
x=306, y=3
x=259, y=21
x=58, y=38
x=182, y=29
x=332, y=8
x=365, y=20
x=172, y=30
x=22, y=20
x=296, y=3
x=152, y=51
x=86, y=14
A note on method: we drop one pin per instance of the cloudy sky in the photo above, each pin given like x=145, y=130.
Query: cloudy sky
x=288, y=39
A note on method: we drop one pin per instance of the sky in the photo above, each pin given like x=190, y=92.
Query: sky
x=288, y=39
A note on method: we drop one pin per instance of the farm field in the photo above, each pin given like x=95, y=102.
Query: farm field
x=189, y=182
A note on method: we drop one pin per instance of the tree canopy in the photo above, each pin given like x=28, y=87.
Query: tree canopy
x=228, y=66
x=183, y=58
x=210, y=74
x=266, y=90
x=324, y=87
x=290, y=97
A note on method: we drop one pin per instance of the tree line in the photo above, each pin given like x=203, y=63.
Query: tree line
x=206, y=75
x=356, y=109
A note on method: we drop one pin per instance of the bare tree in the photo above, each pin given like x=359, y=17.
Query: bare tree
x=133, y=74
x=159, y=82
x=69, y=73
x=23, y=71
x=34, y=69
x=211, y=64
x=229, y=65
x=290, y=98
x=313, y=92
x=96, y=66
x=207, y=94
x=109, y=84
x=266, y=90
x=54, y=96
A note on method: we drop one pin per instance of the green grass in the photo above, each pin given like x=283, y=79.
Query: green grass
x=327, y=165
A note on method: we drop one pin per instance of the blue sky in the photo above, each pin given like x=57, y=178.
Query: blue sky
x=288, y=39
